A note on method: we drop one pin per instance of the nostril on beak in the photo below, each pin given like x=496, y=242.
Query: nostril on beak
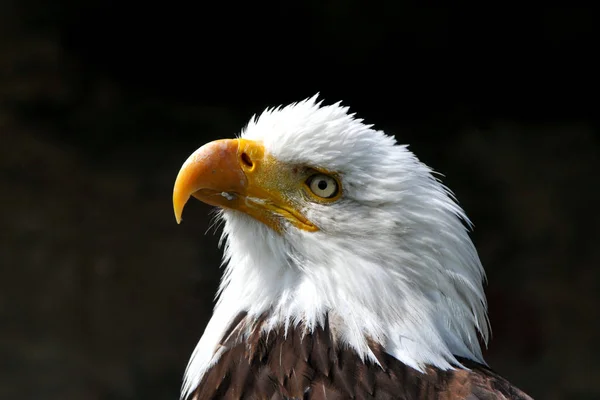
x=246, y=160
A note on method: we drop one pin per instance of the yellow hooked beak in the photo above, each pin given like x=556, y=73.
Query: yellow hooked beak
x=237, y=174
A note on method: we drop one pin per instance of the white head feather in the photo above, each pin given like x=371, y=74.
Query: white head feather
x=392, y=260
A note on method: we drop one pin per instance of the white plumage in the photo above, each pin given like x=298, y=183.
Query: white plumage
x=392, y=259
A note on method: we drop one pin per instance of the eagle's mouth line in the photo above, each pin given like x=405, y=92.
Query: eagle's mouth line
x=276, y=208
x=282, y=210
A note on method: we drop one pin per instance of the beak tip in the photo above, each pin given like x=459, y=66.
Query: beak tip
x=178, y=205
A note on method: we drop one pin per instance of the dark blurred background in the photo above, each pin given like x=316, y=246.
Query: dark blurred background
x=104, y=296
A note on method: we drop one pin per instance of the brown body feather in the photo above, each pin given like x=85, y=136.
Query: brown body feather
x=304, y=365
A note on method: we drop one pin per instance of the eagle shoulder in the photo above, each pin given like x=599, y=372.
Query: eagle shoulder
x=310, y=365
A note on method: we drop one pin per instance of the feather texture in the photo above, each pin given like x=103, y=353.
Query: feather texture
x=279, y=370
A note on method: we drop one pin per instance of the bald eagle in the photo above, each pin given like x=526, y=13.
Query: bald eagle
x=349, y=271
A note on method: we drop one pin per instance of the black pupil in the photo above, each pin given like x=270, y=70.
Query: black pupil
x=322, y=185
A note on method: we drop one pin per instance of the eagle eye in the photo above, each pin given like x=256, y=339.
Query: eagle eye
x=323, y=186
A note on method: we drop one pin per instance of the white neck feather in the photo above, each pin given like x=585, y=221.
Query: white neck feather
x=427, y=308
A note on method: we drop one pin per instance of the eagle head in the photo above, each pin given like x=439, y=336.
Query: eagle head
x=326, y=217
